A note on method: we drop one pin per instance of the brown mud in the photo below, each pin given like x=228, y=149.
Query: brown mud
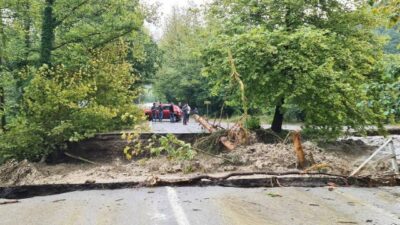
x=340, y=157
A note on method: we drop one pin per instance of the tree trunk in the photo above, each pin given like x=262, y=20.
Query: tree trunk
x=27, y=32
x=2, y=109
x=2, y=63
x=48, y=26
x=2, y=41
x=278, y=118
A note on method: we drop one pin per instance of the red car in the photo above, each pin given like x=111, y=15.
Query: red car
x=178, y=112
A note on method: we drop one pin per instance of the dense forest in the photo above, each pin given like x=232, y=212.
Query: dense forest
x=71, y=69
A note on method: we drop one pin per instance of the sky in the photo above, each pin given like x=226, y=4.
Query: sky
x=165, y=10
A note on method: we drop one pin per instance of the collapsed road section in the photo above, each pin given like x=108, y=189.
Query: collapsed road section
x=233, y=157
x=243, y=179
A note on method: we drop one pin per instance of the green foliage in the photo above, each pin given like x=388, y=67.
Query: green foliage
x=386, y=89
x=96, y=52
x=61, y=106
x=317, y=64
x=70, y=33
x=174, y=148
x=388, y=8
x=168, y=145
x=145, y=57
x=24, y=140
x=179, y=78
x=77, y=25
x=134, y=147
x=393, y=42
x=252, y=123
x=322, y=59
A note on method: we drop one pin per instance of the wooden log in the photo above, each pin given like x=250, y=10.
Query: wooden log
x=224, y=140
x=9, y=202
x=204, y=123
x=79, y=158
x=228, y=144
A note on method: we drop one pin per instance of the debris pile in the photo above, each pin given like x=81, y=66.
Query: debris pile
x=340, y=157
x=228, y=139
x=282, y=156
x=18, y=173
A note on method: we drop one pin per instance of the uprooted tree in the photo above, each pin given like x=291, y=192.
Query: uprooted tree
x=316, y=55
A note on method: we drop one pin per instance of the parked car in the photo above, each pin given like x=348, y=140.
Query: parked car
x=178, y=112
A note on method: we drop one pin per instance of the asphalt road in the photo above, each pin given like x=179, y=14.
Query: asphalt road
x=208, y=206
x=193, y=127
x=175, y=128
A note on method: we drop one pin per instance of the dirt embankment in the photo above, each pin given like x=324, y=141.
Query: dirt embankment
x=340, y=157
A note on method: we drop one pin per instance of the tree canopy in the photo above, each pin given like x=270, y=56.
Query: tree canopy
x=70, y=69
x=179, y=78
x=316, y=55
x=319, y=59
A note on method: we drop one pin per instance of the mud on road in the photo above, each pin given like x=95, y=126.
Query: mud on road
x=340, y=157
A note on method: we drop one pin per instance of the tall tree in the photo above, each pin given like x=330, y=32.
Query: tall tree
x=2, y=62
x=316, y=55
x=179, y=78
x=90, y=81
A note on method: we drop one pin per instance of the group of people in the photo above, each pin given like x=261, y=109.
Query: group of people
x=157, y=112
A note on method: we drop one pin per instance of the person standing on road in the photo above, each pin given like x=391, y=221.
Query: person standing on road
x=154, y=112
x=171, y=112
x=160, y=112
x=186, y=113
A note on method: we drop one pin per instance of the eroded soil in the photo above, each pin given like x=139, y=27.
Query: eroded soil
x=340, y=157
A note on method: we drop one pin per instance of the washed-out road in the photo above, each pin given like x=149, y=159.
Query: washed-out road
x=210, y=205
x=193, y=127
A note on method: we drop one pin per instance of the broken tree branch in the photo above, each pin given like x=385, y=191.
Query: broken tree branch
x=204, y=123
x=228, y=144
x=9, y=202
x=80, y=158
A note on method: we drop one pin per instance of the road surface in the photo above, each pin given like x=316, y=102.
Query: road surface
x=208, y=206
x=193, y=127
x=175, y=128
